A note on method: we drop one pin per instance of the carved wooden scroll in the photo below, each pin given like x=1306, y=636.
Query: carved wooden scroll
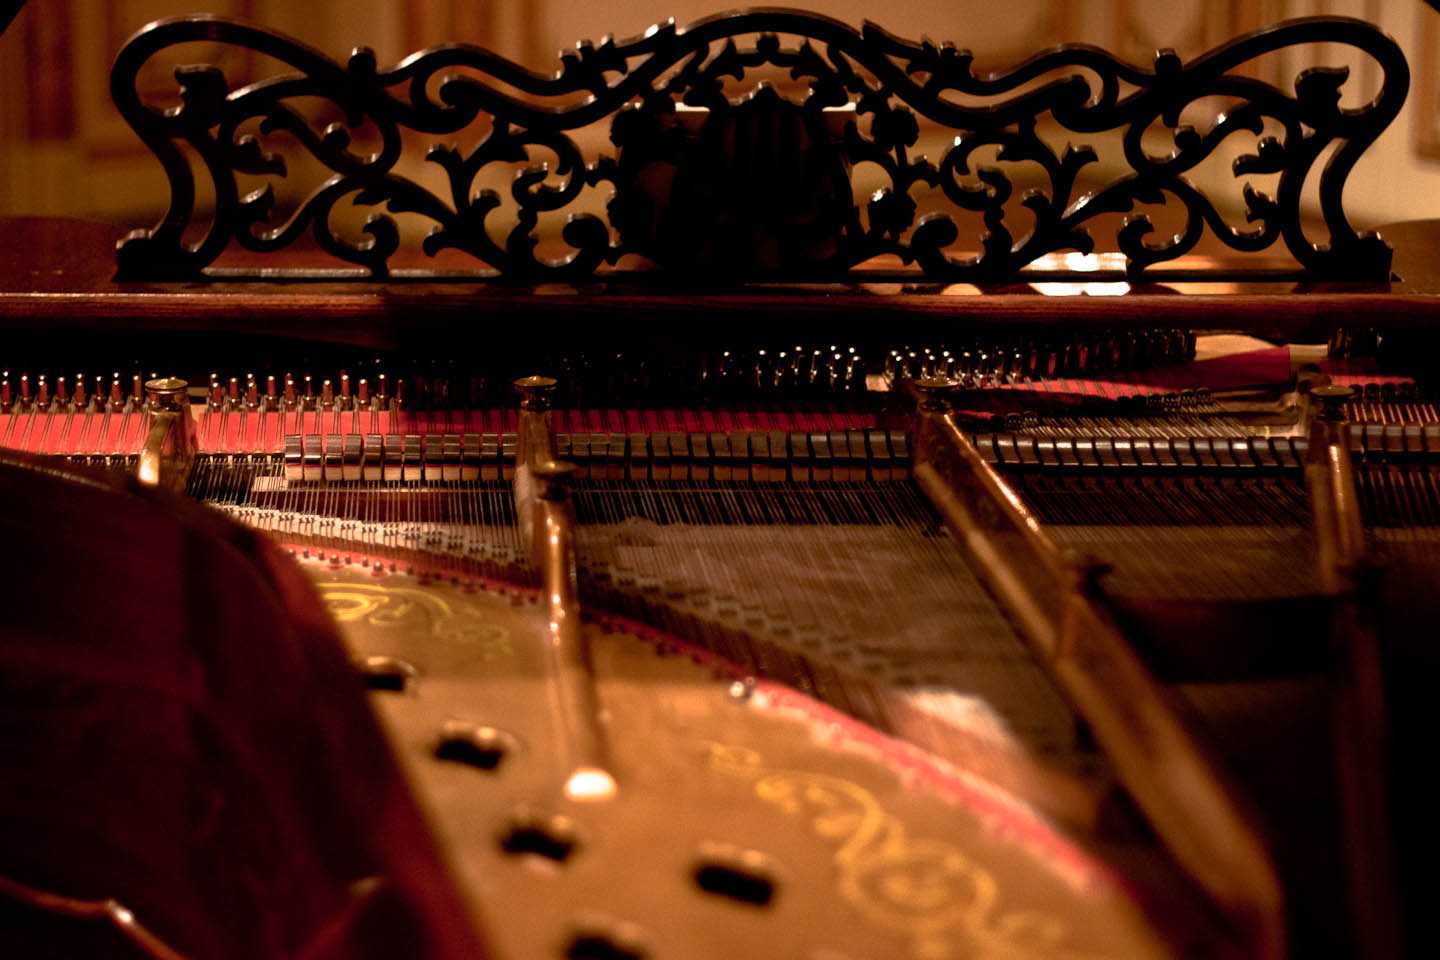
x=759, y=184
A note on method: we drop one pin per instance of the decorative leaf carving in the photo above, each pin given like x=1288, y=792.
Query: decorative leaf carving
x=889, y=82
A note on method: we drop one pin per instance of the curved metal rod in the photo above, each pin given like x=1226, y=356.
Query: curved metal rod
x=114, y=913
x=1358, y=709
x=1166, y=768
x=547, y=525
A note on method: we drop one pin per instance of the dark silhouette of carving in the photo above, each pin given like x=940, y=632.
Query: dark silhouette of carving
x=759, y=187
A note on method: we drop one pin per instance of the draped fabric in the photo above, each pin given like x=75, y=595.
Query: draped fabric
x=180, y=731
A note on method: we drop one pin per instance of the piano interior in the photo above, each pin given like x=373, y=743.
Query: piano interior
x=749, y=605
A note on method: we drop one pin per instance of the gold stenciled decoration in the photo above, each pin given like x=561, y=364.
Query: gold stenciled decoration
x=386, y=606
x=925, y=887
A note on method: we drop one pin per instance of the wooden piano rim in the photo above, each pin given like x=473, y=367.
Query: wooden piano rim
x=57, y=274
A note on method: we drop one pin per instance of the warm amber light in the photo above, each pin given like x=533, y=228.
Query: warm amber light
x=150, y=471
x=590, y=783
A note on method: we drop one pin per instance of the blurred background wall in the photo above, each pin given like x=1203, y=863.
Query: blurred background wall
x=64, y=150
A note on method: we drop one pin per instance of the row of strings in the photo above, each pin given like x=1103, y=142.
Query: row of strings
x=851, y=590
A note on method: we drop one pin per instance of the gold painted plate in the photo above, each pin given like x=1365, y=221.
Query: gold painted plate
x=748, y=820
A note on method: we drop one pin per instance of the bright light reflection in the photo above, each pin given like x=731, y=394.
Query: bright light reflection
x=1085, y=289
x=590, y=783
x=149, y=471
x=1080, y=262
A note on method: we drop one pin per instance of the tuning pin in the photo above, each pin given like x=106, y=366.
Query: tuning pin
x=345, y=398
x=117, y=394
x=61, y=394
x=217, y=393
x=381, y=396
x=5, y=391
x=233, y=392
x=42, y=393
x=364, y=392
x=327, y=394
x=782, y=379
x=400, y=394
x=309, y=393
x=252, y=399
x=289, y=391
x=270, y=396
x=78, y=398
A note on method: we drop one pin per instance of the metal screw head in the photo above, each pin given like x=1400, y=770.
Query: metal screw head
x=535, y=392
x=167, y=391
x=1332, y=397
x=935, y=392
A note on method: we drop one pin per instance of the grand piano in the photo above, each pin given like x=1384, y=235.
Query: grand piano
x=653, y=510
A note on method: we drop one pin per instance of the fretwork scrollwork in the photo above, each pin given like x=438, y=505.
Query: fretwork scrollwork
x=759, y=186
